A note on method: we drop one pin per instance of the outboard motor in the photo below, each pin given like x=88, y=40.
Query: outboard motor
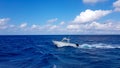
x=77, y=45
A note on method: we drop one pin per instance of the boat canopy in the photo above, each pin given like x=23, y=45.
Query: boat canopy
x=65, y=40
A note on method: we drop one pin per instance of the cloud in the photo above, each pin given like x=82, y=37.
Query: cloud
x=44, y=28
x=72, y=27
x=34, y=26
x=99, y=26
x=23, y=25
x=93, y=1
x=52, y=20
x=4, y=20
x=53, y=27
x=95, y=28
x=90, y=15
x=118, y=27
x=117, y=5
x=11, y=26
x=62, y=23
x=3, y=27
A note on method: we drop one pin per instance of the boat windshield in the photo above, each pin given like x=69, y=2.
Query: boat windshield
x=65, y=40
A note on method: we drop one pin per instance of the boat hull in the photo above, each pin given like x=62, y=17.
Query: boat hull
x=62, y=44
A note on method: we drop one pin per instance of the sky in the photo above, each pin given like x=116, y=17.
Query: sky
x=56, y=17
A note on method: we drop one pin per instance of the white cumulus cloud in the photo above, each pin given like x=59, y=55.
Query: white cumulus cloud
x=3, y=27
x=117, y=5
x=93, y=1
x=23, y=25
x=53, y=27
x=72, y=27
x=118, y=27
x=52, y=20
x=90, y=15
x=95, y=28
x=62, y=23
x=4, y=20
x=100, y=26
x=34, y=26
x=11, y=26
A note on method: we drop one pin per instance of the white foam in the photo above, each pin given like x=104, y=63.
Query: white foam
x=54, y=66
x=100, y=46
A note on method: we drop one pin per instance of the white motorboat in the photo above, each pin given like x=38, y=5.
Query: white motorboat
x=64, y=42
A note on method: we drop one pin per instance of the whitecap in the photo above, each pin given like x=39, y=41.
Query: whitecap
x=54, y=66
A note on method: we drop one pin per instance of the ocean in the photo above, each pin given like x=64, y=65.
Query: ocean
x=38, y=51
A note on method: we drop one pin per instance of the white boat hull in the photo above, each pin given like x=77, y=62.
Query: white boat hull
x=62, y=44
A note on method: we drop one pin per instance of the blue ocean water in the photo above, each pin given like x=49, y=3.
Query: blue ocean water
x=38, y=51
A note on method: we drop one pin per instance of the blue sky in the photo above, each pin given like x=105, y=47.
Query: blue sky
x=59, y=17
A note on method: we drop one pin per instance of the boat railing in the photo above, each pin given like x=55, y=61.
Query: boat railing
x=65, y=40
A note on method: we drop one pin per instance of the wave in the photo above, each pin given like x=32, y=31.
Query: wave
x=99, y=46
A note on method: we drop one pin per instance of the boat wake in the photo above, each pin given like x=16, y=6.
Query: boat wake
x=99, y=46
x=66, y=42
